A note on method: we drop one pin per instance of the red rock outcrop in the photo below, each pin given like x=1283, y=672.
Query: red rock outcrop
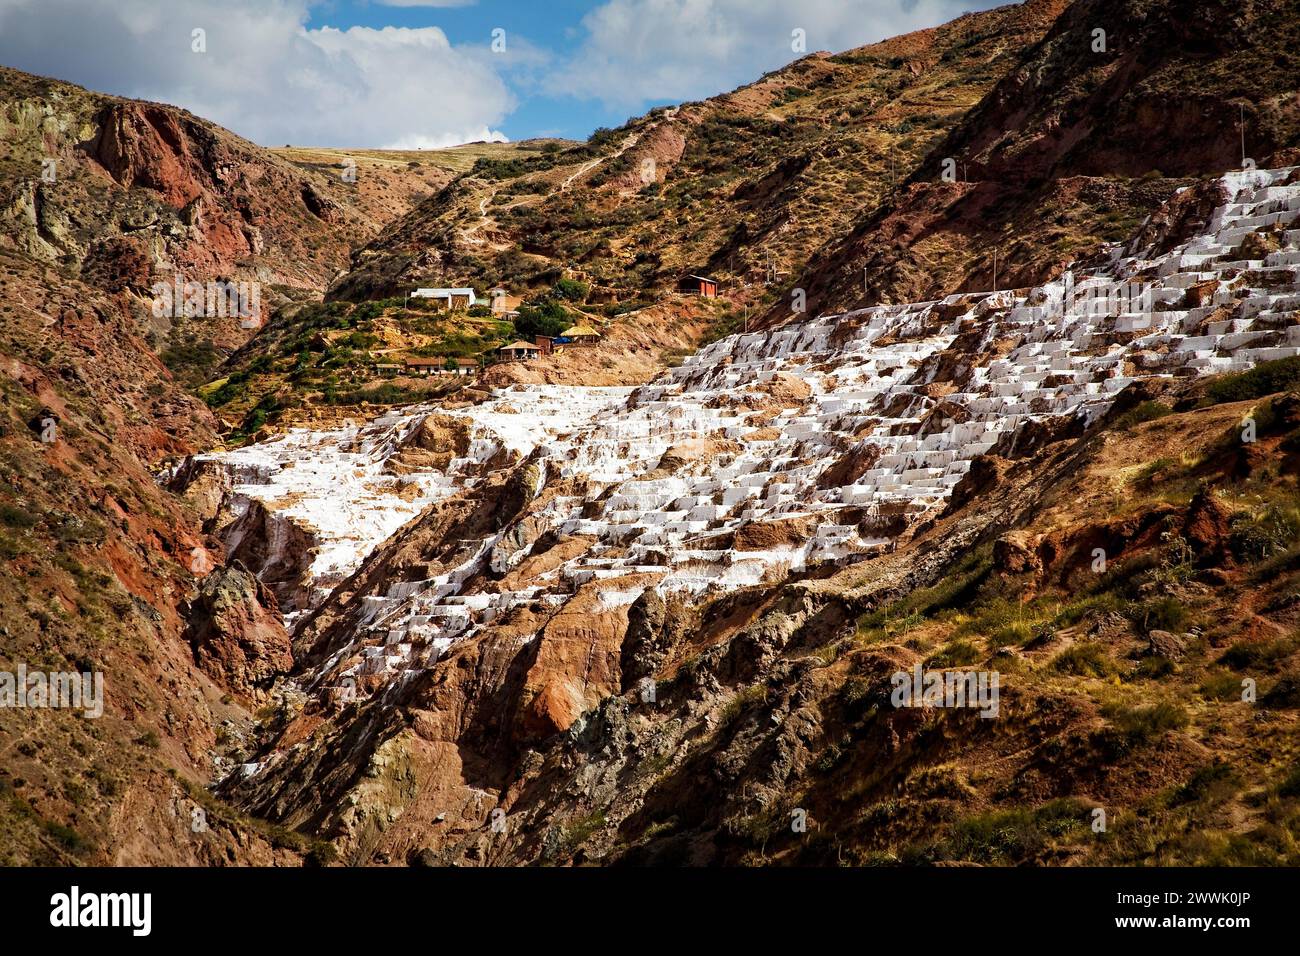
x=236, y=631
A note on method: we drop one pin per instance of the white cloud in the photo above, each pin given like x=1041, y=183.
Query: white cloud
x=635, y=51
x=425, y=3
x=264, y=75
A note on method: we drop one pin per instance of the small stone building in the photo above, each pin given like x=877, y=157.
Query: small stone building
x=519, y=351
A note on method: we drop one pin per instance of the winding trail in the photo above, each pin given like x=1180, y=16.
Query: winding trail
x=485, y=221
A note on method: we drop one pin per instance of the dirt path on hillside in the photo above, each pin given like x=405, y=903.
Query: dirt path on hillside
x=487, y=222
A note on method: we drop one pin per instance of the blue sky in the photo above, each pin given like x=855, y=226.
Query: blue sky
x=550, y=25
x=424, y=73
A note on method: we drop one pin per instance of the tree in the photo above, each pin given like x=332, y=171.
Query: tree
x=571, y=290
x=547, y=317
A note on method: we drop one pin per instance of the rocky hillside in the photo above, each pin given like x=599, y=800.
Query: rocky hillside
x=1075, y=145
x=103, y=570
x=653, y=600
x=389, y=182
x=122, y=194
x=744, y=186
x=652, y=626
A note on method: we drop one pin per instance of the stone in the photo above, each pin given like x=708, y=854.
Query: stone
x=1167, y=645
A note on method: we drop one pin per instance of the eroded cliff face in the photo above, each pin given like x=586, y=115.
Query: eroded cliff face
x=124, y=194
x=709, y=532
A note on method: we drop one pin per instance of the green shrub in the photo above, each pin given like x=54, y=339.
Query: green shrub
x=1272, y=531
x=1159, y=614
x=1290, y=785
x=67, y=836
x=1083, y=660
x=741, y=702
x=1265, y=378
x=957, y=654
x=1014, y=836
x=1221, y=685
x=15, y=517
x=547, y=317
x=1212, y=782
x=571, y=290
x=1144, y=723
x=1258, y=655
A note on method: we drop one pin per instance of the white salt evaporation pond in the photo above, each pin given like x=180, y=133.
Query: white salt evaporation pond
x=914, y=392
x=789, y=447
x=334, y=483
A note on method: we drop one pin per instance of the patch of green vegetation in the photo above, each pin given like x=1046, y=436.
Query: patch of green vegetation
x=1083, y=660
x=385, y=393
x=13, y=516
x=957, y=654
x=1159, y=614
x=564, y=839
x=1213, y=783
x=1266, y=378
x=67, y=837
x=954, y=591
x=940, y=782
x=1273, y=530
x=1144, y=723
x=1017, y=835
x=1221, y=685
x=743, y=700
x=544, y=317
x=571, y=290
x=1147, y=474
x=1097, y=603
x=192, y=360
x=1259, y=655
x=1289, y=786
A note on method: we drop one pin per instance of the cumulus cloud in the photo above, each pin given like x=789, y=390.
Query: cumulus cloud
x=636, y=51
x=265, y=75
x=425, y=3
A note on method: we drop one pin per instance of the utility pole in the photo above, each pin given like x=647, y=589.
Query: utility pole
x=1242, y=107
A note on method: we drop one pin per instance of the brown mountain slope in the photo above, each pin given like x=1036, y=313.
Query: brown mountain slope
x=120, y=192
x=99, y=567
x=744, y=185
x=102, y=569
x=1073, y=146
x=389, y=182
